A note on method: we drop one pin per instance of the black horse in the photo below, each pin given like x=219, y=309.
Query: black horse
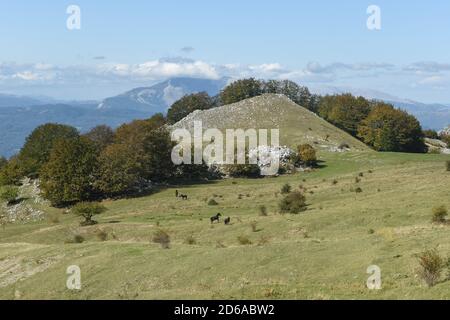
x=216, y=218
x=183, y=196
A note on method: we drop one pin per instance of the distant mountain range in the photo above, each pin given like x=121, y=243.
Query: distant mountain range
x=19, y=115
x=159, y=97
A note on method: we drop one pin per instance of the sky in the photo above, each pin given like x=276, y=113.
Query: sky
x=322, y=44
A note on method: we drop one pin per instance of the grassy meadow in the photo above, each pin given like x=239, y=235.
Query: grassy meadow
x=322, y=253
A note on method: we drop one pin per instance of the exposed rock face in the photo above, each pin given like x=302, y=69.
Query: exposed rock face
x=435, y=145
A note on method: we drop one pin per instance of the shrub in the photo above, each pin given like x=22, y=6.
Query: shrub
x=87, y=210
x=447, y=164
x=254, y=226
x=286, y=188
x=357, y=180
x=431, y=266
x=75, y=238
x=439, y=214
x=294, y=202
x=244, y=240
x=307, y=154
x=190, y=240
x=162, y=238
x=102, y=235
x=9, y=194
x=358, y=190
x=212, y=202
x=262, y=211
x=334, y=182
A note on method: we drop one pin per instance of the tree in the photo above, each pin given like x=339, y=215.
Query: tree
x=68, y=176
x=12, y=172
x=9, y=194
x=101, y=136
x=188, y=104
x=38, y=145
x=119, y=170
x=299, y=95
x=344, y=111
x=241, y=90
x=3, y=162
x=88, y=210
x=431, y=134
x=157, y=156
x=307, y=154
x=390, y=129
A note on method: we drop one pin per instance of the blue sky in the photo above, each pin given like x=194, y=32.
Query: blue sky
x=123, y=44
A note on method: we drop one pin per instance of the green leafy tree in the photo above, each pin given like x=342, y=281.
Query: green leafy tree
x=241, y=90
x=102, y=136
x=88, y=210
x=119, y=170
x=69, y=175
x=12, y=172
x=344, y=111
x=157, y=159
x=9, y=194
x=390, y=129
x=188, y=104
x=431, y=134
x=3, y=162
x=38, y=145
x=300, y=95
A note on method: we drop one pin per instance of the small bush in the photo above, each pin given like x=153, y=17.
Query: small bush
x=87, y=210
x=448, y=165
x=190, y=240
x=244, y=240
x=439, y=214
x=162, y=238
x=294, y=202
x=9, y=194
x=357, y=180
x=358, y=190
x=101, y=235
x=334, y=182
x=286, y=188
x=75, y=238
x=212, y=202
x=263, y=211
x=371, y=231
x=254, y=226
x=431, y=266
x=361, y=174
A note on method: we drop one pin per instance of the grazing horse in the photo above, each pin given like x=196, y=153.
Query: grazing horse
x=216, y=218
x=183, y=196
x=227, y=221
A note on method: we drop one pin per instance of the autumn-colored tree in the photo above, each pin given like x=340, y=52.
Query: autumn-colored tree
x=119, y=170
x=38, y=145
x=188, y=104
x=69, y=175
x=344, y=111
x=12, y=172
x=390, y=129
x=102, y=136
x=307, y=154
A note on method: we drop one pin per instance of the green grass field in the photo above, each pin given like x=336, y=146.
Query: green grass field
x=322, y=253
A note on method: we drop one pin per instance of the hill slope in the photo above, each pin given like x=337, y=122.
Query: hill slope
x=322, y=253
x=270, y=111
